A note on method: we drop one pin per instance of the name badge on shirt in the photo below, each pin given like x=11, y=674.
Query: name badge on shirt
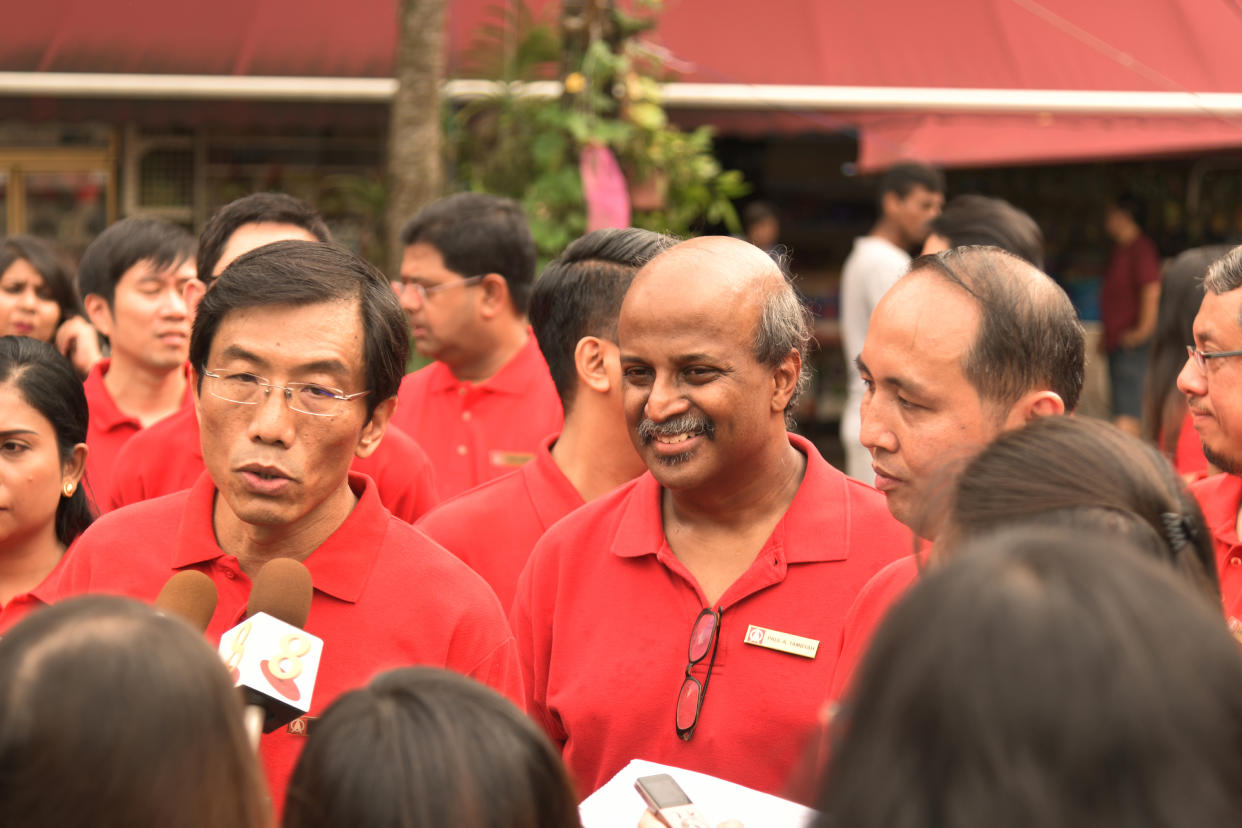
x=511, y=458
x=784, y=642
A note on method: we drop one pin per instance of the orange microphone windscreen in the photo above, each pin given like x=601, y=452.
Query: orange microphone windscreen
x=282, y=589
x=191, y=595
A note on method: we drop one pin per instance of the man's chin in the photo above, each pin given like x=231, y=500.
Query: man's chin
x=1225, y=463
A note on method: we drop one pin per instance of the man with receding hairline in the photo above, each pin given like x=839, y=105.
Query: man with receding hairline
x=650, y=621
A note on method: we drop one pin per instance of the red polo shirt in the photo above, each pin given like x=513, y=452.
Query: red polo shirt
x=19, y=606
x=1189, y=458
x=168, y=457
x=494, y=527
x=474, y=432
x=1219, y=497
x=603, y=617
x=385, y=596
x=109, y=430
x=864, y=617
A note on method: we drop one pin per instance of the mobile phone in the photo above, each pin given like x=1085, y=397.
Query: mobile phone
x=669, y=803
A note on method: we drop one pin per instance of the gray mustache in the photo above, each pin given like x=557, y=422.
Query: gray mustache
x=687, y=423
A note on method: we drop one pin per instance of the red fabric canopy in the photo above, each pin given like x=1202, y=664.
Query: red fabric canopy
x=1159, y=45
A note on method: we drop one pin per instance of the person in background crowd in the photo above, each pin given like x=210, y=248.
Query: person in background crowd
x=486, y=403
x=298, y=351
x=971, y=342
x=167, y=457
x=1210, y=379
x=975, y=219
x=911, y=195
x=43, y=506
x=426, y=748
x=742, y=547
x=1046, y=676
x=38, y=298
x=1167, y=421
x=1129, y=302
x=114, y=715
x=763, y=229
x=1064, y=470
x=133, y=279
x=574, y=309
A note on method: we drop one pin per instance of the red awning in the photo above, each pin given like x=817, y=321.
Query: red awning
x=1164, y=46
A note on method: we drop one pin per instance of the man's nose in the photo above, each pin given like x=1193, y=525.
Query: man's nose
x=1191, y=381
x=874, y=432
x=273, y=419
x=665, y=400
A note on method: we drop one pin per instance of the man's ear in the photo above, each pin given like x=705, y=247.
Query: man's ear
x=591, y=364
x=496, y=299
x=373, y=431
x=98, y=312
x=785, y=380
x=1033, y=404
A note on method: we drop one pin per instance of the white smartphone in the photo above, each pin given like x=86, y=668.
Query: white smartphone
x=669, y=803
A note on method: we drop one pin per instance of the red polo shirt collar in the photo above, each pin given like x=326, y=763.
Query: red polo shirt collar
x=339, y=567
x=823, y=515
x=104, y=412
x=556, y=496
x=1220, y=512
x=515, y=377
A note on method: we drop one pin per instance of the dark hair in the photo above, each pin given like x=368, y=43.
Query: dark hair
x=306, y=273
x=256, y=208
x=1077, y=471
x=421, y=748
x=49, y=385
x=580, y=294
x=976, y=219
x=1045, y=677
x=756, y=212
x=125, y=244
x=1181, y=293
x=1029, y=334
x=1133, y=206
x=904, y=177
x=115, y=715
x=475, y=234
x=57, y=273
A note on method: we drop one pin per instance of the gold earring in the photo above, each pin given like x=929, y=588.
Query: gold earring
x=68, y=489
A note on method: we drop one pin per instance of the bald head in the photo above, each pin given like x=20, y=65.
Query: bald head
x=1029, y=335
x=736, y=283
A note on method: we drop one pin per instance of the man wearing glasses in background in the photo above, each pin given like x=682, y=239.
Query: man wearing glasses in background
x=298, y=351
x=487, y=402
x=1212, y=383
x=691, y=617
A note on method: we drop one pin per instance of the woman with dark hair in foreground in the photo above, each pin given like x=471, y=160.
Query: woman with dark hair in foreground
x=1044, y=677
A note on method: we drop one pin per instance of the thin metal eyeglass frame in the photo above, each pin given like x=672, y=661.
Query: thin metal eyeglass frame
x=1201, y=357
x=686, y=733
x=288, y=390
x=423, y=292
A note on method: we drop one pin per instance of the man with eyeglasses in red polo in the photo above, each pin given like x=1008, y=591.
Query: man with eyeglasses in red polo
x=1212, y=383
x=487, y=403
x=691, y=616
x=298, y=351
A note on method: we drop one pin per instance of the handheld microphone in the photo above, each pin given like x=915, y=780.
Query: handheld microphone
x=191, y=595
x=270, y=657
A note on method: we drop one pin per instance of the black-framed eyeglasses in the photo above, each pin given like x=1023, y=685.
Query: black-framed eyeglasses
x=245, y=388
x=704, y=637
x=423, y=291
x=1201, y=357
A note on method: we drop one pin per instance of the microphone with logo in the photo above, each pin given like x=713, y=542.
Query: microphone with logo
x=189, y=595
x=270, y=657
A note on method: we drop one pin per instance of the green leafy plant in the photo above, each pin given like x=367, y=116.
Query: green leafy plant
x=528, y=147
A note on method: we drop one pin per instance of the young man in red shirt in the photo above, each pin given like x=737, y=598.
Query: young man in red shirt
x=298, y=351
x=133, y=281
x=485, y=405
x=573, y=310
x=1210, y=381
x=167, y=458
x=690, y=616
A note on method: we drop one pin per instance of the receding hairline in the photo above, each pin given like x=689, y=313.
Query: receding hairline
x=732, y=261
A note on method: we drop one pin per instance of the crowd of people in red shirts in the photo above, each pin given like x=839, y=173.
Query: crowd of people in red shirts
x=585, y=533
